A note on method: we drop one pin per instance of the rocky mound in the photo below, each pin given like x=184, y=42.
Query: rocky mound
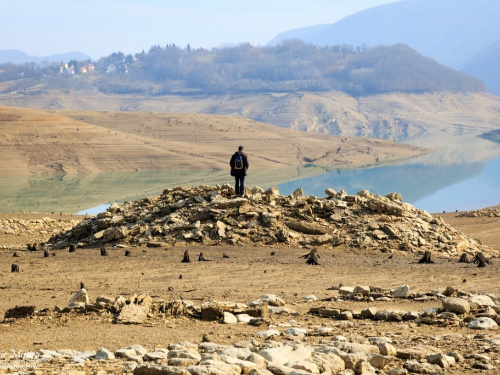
x=485, y=212
x=209, y=215
x=40, y=228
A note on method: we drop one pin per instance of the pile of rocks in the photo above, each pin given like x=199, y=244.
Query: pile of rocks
x=210, y=215
x=458, y=308
x=38, y=228
x=338, y=355
x=137, y=308
x=485, y=212
x=296, y=353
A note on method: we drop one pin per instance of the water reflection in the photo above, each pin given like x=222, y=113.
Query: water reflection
x=78, y=193
x=462, y=174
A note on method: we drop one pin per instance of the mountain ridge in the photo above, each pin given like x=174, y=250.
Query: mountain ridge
x=450, y=31
x=15, y=56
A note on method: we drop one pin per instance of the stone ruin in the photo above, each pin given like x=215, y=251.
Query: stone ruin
x=210, y=215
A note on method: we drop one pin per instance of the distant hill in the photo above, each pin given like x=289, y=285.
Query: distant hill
x=485, y=65
x=290, y=66
x=449, y=31
x=15, y=56
x=37, y=142
x=396, y=116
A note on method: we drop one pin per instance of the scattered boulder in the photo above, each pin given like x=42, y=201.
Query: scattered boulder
x=479, y=301
x=458, y=305
x=229, y=318
x=402, y=291
x=132, y=314
x=483, y=323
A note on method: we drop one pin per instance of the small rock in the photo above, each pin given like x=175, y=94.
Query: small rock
x=103, y=353
x=380, y=361
x=402, y=291
x=133, y=314
x=441, y=360
x=229, y=318
x=368, y=313
x=310, y=297
x=481, y=301
x=361, y=289
x=268, y=333
x=80, y=296
x=458, y=305
x=483, y=323
x=387, y=349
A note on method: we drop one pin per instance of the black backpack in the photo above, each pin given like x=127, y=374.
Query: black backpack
x=238, y=162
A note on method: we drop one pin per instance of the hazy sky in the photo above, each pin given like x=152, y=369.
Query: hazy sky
x=98, y=28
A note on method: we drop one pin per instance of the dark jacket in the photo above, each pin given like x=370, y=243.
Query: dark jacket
x=239, y=172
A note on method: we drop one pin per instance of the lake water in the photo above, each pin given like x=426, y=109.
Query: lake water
x=462, y=174
x=434, y=189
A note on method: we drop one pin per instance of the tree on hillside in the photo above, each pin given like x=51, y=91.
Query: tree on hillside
x=129, y=59
x=75, y=65
x=292, y=65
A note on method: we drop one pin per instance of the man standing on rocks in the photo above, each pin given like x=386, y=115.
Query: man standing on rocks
x=239, y=166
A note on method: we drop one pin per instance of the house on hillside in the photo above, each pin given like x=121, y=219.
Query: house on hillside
x=63, y=67
x=121, y=68
x=111, y=68
x=89, y=68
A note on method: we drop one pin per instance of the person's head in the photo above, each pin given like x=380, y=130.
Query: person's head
x=240, y=148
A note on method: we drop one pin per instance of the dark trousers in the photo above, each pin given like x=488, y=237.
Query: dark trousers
x=239, y=186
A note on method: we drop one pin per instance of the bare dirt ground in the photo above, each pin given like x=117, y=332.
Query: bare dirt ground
x=36, y=142
x=332, y=111
x=249, y=273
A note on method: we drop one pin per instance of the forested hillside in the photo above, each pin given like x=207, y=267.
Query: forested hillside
x=290, y=66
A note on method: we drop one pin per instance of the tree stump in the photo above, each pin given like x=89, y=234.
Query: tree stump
x=186, y=257
x=45, y=254
x=14, y=268
x=72, y=248
x=312, y=257
x=127, y=253
x=104, y=253
x=426, y=258
x=480, y=260
x=463, y=258
x=201, y=258
x=32, y=246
